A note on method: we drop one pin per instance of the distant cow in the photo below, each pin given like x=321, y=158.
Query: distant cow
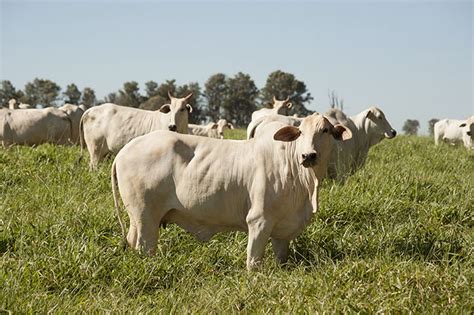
x=455, y=131
x=12, y=104
x=279, y=108
x=34, y=126
x=211, y=130
x=258, y=124
x=107, y=128
x=266, y=186
x=368, y=128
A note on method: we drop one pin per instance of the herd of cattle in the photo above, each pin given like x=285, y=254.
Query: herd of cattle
x=169, y=171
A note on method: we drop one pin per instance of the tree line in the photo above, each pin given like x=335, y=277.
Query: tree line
x=231, y=97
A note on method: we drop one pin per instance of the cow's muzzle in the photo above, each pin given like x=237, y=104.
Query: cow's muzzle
x=309, y=159
x=172, y=127
x=391, y=134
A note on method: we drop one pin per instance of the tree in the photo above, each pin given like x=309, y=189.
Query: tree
x=410, y=127
x=88, y=97
x=160, y=95
x=112, y=98
x=130, y=94
x=240, y=101
x=431, y=124
x=72, y=94
x=282, y=85
x=215, y=92
x=151, y=89
x=7, y=92
x=41, y=92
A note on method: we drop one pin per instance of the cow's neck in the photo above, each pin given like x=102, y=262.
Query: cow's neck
x=363, y=137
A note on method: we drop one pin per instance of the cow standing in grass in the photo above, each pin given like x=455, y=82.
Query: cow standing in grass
x=34, y=126
x=267, y=186
x=368, y=128
x=107, y=128
x=455, y=131
x=211, y=130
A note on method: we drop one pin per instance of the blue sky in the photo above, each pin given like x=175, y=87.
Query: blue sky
x=411, y=58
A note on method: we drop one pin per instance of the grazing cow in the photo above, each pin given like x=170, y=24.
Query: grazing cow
x=107, y=128
x=368, y=128
x=266, y=186
x=212, y=130
x=279, y=108
x=455, y=131
x=75, y=113
x=34, y=126
x=257, y=124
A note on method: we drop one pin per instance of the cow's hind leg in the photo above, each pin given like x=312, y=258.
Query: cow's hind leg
x=132, y=234
x=281, y=249
x=147, y=227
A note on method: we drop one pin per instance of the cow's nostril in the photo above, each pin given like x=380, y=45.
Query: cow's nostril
x=394, y=133
x=308, y=156
x=172, y=127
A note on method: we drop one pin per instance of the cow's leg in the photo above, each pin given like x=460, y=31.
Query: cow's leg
x=281, y=249
x=148, y=225
x=259, y=233
x=132, y=234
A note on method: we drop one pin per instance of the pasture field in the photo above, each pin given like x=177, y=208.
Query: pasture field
x=396, y=236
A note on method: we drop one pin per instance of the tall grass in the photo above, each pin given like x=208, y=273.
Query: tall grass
x=396, y=236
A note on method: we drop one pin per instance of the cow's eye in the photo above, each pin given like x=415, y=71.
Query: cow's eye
x=325, y=130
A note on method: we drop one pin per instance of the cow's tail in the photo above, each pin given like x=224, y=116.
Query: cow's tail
x=81, y=137
x=113, y=179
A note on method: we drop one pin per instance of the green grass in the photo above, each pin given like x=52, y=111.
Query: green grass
x=397, y=236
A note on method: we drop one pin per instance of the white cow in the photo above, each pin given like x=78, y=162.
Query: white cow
x=368, y=128
x=267, y=186
x=12, y=104
x=256, y=125
x=107, y=128
x=75, y=113
x=279, y=108
x=211, y=130
x=455, y=131
x=34, y=126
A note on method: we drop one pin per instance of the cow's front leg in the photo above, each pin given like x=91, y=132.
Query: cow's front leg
x=259, y=233
x=280, y=249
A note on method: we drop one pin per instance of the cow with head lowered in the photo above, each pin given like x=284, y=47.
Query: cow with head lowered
x=107, y=128
x=267, y=186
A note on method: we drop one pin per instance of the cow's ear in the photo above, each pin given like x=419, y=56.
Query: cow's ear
x=214, y=126
x=165, y=108
x=288, y=133
x=189, y=107
x=289, y=105
x=339, y=132
x=462, y=125
x=230, y=126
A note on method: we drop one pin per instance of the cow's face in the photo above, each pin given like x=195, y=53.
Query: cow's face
x=177, y=112
x=282, y=107
x=378, y=124
x=222, y=125
x=467, y=129
x=313, y=139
